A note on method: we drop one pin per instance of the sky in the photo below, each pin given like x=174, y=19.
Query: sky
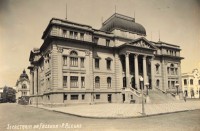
x=22, y=23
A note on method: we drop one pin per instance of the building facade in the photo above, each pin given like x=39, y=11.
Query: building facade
x=191, y=84
x=80, y=64
x=22, y=86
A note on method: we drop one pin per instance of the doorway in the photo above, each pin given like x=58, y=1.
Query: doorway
x=123, y=97
x=109, y=98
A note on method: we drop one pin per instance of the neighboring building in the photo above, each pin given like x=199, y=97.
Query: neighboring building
x=80, y=64
x=22, y=86
x=191, y=84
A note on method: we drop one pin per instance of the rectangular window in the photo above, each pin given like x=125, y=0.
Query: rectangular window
x=97, y=63
x=74, y=81
x=74, y=61
x=82, y=36
x=97, y=96
x=65, y=60
x=64, y=34
x=64, y=81
x=75, y=35
x=83, y=97
x=108, y=62
x=82, y=82
x=199, y=82
x=71, y=34
x=82, y=62
x=64, y=96
x=74, y=97
x=96, y=40
x=107, y=42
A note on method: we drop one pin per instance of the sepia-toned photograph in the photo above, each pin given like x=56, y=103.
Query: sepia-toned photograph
x=100, y=65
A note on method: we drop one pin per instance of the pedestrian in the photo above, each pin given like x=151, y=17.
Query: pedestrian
x=184, y=96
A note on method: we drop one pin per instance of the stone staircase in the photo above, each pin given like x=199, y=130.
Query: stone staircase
x=158, y=97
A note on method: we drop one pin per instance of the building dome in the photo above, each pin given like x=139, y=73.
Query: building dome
x=124, y=23
x=24, y=75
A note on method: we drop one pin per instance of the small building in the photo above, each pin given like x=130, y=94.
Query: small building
x=191, y=84
x=22, y=86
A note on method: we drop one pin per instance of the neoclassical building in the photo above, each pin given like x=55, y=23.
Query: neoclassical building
x=80, y=64
x=22, y=86
x=191, y=84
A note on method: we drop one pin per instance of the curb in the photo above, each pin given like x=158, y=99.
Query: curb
x=128, y=117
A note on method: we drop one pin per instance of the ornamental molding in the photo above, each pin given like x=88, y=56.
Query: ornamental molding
x=142, y=44
x=60, y=49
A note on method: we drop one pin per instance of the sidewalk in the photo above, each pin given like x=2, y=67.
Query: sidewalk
x=117, y=110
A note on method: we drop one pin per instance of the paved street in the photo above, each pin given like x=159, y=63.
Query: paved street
x=14, y=114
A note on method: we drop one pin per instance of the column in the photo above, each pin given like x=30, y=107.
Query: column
x=32, y=83
x=137, y=84
x=35, y=81
x=152, y=73
x=145, y=70
x=127, y=71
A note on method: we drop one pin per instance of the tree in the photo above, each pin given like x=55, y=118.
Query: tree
x=9, y=94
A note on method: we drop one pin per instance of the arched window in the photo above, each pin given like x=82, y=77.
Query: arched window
x=97, y=82
x=73, y=58
x=24, y=86
x=109, y=82
x=191, y=81
x=157, y=83
x=185, y=82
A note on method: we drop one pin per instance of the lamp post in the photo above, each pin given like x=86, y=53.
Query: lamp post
x=142, y=87
x=147, y=87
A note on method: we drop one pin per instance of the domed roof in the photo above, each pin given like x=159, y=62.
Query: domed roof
x=24, y=75
x=121, y=22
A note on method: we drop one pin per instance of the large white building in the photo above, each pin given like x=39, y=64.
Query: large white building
x=191, y=84
x=80, y=64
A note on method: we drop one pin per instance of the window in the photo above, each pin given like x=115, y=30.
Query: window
x=97, y=82
x=82, y=82
x=65, y=60
x=108, y=63
x=75, y=35
x=167, y=70
x=64, y=33
x=176, y=71
x=24, y=86
x=64, y=96
x=48, y=97
x=97, y=96
x=70, y=34
x=97, y=63
x=82, y=62
x=107, y=42
x=173, y=83
x=74, y=97
x=64, y=81
x=185, y=82
x=191, y=81
x=83, y=97
x=82, y=36
x=157, y=68
x=109, y=82
x=73, y=59
x=96, y=40
x=199, y=82
x=74, y=81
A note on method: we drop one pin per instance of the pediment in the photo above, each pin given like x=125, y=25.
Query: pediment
x=143, y=43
